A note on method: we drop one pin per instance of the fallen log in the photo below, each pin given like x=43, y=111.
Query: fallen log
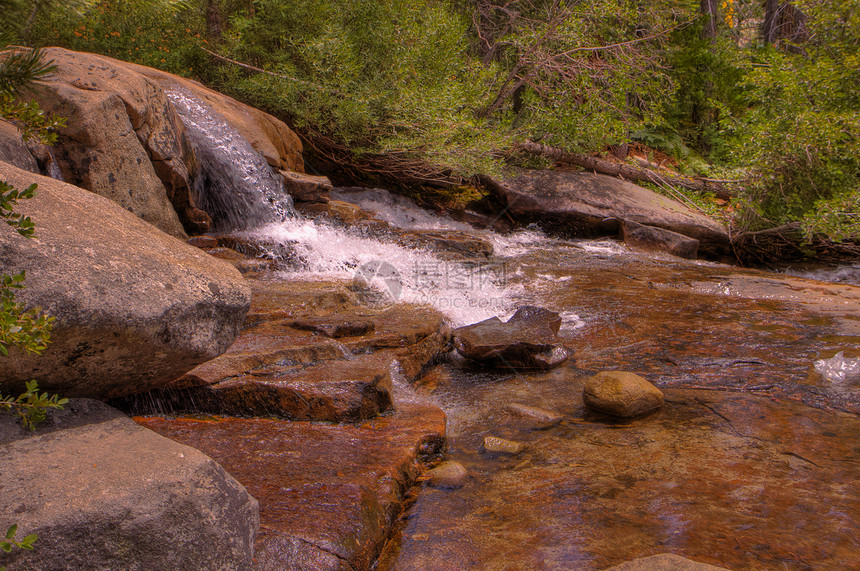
x=624, y=170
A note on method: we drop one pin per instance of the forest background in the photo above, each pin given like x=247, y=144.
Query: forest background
x=760, y=99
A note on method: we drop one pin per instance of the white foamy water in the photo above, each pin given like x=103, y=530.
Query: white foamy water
x=399, y=211
x=464, y=292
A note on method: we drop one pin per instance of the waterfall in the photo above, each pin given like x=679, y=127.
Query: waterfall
x=244, y=195
x=234, y=184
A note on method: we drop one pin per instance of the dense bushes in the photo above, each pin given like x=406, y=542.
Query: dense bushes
x=454, y=83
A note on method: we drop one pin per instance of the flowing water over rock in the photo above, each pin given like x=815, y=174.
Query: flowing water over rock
x=751, y=462
x=234, y=185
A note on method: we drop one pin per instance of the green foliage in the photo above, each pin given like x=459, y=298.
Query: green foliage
x=9, y=542
x=800, y=132
x=32, y=122
x=31, y=406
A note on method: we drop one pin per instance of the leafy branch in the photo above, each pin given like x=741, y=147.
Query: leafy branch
x=31, y=406
x=10, y=541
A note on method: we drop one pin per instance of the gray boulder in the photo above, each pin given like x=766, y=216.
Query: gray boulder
x=586, y=204
x=102, y=492
x=135, y=308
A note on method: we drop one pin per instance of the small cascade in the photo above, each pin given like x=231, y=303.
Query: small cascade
x=464, y=292
x=235, y=184
x=52, y=169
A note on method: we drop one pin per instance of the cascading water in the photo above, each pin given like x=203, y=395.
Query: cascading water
x=235, y=184
x=240, y=191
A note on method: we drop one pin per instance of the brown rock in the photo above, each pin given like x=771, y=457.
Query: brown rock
x=586, y=204
x=304, y=187
x=335, y=326
x=502, y=445
x=333, y=390
x=122, y=139
x=540, y=418
x=328, y=493
x=341, y=211
x=528, y=340
x=620, y=393
x=269, y=136
x=97, y=489
x=203, y=242
x=448, y=474
x=664, y=562
x=13, y=150
x=651, y=239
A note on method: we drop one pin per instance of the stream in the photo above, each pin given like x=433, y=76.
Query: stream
x=752, y=462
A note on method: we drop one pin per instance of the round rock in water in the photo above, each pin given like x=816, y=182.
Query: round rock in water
x=619, y=393
x=448, y=474
x=502, y=446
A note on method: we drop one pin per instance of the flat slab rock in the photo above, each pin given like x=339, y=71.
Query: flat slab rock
x=329, y=494
x=346, y=390
x=101, y=492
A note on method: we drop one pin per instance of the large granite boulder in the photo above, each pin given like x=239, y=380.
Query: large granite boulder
x=587, y=204
x=528, y=340
x=269, y=136
x=102, y=492
x=135, y=308
x=124, y=140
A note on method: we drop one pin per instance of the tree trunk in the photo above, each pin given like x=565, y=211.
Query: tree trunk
x=709, y=11
x=214, y=21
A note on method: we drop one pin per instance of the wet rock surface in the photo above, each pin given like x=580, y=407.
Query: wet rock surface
x=653, y=239
x=664, y=562
x=622, y=394
x=528, y=340
x=296, y=359
x=103, y=493
x=448, y=474
x=329, y=494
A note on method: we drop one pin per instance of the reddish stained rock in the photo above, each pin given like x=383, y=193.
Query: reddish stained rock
x=328, y=494
x=337, y=391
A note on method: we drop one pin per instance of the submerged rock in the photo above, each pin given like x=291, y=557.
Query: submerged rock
x=619, y=393
x=102, y=492
x=528, y=340
x=448, y=474
x=134, y=307
x=664, y=562
x=540, y=418
x=502, y=445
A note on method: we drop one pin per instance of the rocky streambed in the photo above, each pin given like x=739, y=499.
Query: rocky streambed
x=750, y=463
